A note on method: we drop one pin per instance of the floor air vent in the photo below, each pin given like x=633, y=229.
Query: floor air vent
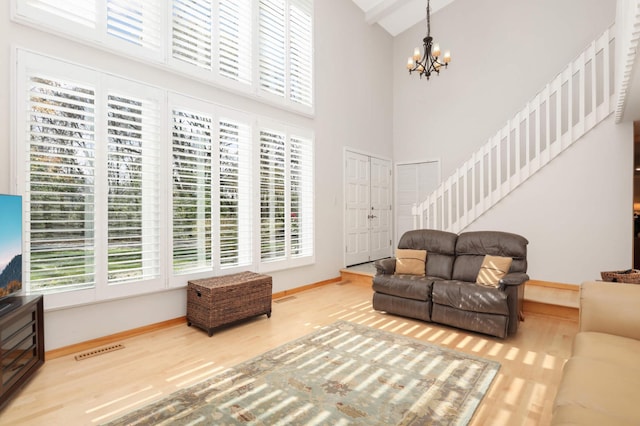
x=98, y=351
x=284, y=299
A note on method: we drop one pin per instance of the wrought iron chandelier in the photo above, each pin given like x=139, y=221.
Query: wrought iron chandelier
x=429, y=62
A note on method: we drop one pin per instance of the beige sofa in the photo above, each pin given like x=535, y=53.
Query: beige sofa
x=601, y=381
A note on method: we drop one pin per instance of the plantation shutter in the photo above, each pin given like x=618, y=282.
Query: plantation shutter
x=61, y=178
x=191, y=32
x=192, y=142
x=272, y=195
x=135, y=21
x=235, y=193
x=133, y=176
x=301, y=197
x=301, y=51
x=234, y=39
x=272, y=46
x=80, y=12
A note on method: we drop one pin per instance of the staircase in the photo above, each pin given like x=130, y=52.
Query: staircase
x=579, y=98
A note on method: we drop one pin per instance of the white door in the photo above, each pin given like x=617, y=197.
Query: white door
x=380, y=217
x=368, y=208
x=414, y=182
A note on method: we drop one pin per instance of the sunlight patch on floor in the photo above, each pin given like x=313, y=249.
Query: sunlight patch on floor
x=125, y=408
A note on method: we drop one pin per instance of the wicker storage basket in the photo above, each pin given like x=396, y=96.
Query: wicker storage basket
x=212, y=302
x=631, y=276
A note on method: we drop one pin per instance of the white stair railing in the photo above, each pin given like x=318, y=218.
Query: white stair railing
x=569, y=106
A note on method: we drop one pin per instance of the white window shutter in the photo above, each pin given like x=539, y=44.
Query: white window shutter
x=133, y=190
x=191, y=32
x=61, y=184
x=301, y=52
x=272, y=46
x=136, y=21
x=272, y=195
x=191, y=146
x=235, y=193
x=78, y=12
x=301, y=196
x=234, y=39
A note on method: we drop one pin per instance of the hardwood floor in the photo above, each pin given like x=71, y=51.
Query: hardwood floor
x=153, y=365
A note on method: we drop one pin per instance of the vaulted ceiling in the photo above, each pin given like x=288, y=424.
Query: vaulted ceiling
x=395, y=16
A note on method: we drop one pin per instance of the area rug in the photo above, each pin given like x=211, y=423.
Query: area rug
x=341, y=374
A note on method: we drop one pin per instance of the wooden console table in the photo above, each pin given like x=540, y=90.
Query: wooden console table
x=22, y=342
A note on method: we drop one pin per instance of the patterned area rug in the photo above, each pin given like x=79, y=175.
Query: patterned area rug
x=342, y=374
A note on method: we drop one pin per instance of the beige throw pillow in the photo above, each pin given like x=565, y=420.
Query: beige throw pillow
x=493, y=269
x=410, y=262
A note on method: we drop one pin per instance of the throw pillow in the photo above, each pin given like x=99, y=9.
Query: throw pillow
x=411, y=262
x=493, y=269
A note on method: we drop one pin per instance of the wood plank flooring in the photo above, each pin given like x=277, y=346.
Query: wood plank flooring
x=153, y=365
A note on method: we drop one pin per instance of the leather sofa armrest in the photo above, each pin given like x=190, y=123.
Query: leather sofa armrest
x=610, y=308
x=514, y=278
x=385, y=266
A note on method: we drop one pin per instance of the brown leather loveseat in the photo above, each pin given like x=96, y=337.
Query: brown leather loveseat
x=447, y=291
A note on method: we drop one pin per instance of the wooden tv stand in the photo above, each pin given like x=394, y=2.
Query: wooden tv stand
x=21, y=342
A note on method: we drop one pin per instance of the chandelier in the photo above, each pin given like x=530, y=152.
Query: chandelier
x=429, y=62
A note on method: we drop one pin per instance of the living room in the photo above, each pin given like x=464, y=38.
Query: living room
x=577, y=220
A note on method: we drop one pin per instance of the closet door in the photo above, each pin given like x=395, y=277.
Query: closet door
x=414, y=182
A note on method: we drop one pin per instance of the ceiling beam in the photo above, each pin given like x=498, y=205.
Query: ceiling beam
x=383, y=9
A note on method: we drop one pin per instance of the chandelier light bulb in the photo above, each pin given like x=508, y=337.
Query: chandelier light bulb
x=416, y=54
x=436, y=50
x=447, y=57
x=410, y=63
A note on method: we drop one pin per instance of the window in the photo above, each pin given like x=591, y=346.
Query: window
x=90, y=175
x=192, y=146
x=191, y=32
x=61, y=183
x=234, y=40
x=91, y=169
x=263, y=47
x=286, y=49
x=272, y=195
x=301, y=196
x=301, y=52
x=236, y=212
x=135, y=21
x=286, y=196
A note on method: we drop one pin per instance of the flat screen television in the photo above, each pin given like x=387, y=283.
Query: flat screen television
x=10, y=248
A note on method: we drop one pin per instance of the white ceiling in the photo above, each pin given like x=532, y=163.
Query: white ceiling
x=395, y=16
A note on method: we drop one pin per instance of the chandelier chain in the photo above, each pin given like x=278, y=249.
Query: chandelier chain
x=429, y=61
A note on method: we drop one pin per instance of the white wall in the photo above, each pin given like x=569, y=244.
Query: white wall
x=353, y=84
x=576, y=212
x=503, y=53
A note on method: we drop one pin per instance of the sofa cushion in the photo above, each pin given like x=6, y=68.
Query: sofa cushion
x=469, y=296
x=492, y=324
x=408, y=286
x=410, y=262
x=573, y=415
x=411, y=308
x=471, y=247
x=618, y=350
x=492, y=270
x=440, y=246
x=593, y=390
